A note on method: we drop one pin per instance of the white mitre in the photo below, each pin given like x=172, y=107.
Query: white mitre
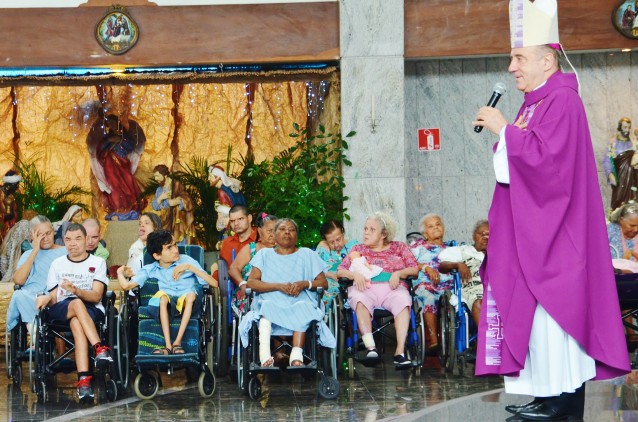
x=533, y=22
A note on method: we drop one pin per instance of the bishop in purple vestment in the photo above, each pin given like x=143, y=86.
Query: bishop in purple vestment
x=548, y=244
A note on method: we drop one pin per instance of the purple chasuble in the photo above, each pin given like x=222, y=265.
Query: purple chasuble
x=548, y=241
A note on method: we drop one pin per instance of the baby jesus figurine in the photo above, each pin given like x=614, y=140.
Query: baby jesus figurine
x=358, y=264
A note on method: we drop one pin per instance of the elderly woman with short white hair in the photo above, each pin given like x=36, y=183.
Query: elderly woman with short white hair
x=431, y=284
x=387, y=290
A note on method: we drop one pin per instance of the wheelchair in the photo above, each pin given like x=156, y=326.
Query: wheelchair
x=198, y=341
x=349, y=341
x=456, y=329
x=317, y=360
x=230, y=349
x=627, y=287
x=43, y=365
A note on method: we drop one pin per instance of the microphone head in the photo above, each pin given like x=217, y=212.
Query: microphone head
x=500, y=88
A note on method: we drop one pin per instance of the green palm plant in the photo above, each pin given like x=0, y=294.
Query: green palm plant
x=303, y=182
x=35, y=193
x=194, y=178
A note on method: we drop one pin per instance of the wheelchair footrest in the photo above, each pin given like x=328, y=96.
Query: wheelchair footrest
x=256, y=369
x=179, y=359
x=304, y=370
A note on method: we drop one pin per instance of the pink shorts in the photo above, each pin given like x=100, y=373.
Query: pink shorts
x=381, y=295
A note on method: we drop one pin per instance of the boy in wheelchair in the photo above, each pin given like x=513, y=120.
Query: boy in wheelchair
x=177, y=276
x=76, y=284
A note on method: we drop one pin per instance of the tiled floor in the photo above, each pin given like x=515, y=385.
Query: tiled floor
x=373, y=394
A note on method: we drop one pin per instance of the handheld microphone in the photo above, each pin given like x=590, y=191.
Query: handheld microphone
x=499, y=90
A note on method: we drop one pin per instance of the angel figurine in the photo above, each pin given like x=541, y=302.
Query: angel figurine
x=115, y=148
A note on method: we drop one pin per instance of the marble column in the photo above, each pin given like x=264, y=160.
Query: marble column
x=372, y=104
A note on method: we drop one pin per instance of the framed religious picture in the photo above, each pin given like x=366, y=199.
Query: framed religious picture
x=117, y=32
x=625, y=18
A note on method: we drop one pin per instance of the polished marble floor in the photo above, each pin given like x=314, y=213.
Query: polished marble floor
x=379, y=393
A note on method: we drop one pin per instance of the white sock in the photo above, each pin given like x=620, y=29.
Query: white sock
x=296, y=354
x=265, y=328
x=368, y=341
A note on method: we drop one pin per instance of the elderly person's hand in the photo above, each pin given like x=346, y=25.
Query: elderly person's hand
x=490, y=118
x=359, y=282
x=36, y=238
x=395, y=280
x=464, y=272
x=628, y=254
x=241, y=293
x=298, y=287
x=432, y=274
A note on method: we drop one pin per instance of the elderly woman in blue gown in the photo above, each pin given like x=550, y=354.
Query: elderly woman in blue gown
x=285, y=279
x=32, y=271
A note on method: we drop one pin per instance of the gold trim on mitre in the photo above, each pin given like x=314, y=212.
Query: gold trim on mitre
x=533, y=22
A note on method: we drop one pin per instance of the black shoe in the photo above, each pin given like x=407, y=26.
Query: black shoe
x=545, y=412
x=401, y=361
x=515, y=408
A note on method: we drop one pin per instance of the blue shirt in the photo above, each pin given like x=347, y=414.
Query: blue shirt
x=37, y=279
x=184, y=284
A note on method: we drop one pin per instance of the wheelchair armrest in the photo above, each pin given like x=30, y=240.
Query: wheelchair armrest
x=411, y=282
x=43, y=313
x=345, y=282
x=110, y=297
x=319, y=295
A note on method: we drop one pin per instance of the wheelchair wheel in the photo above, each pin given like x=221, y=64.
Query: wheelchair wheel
x=223, y=336
x=328, y=388
x=206, y=383
x=41, y=392
x=334, y=328
x=447, y=332
x=17, y=375
x=211, y=329
x=14, y=347
x=350, y=367
x=36, y=357
x=341, y=338
x=111, y=390
x=8, y=336
x=254, y=388
x=242, y=368
x=416, y=342
x=118, y=341
x=146, y=385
